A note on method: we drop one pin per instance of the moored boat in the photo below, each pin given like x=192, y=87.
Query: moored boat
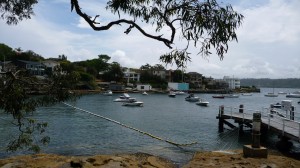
x=232, y=96
x=202, y=102
x=294, y=95
x=108, y=93
x=271, y=95
x=247, y=94
x=133, y=103
x=145, y=93
x=124, y=98
x=277, y=105
x=171, y=94
x=192, y=98
x=179, y=92
x=219, y=96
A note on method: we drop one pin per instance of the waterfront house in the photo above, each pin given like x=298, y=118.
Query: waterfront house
x=163, y=74
x=194, y=79
x=34, y=68
x=131, y=75
x=50, y=64
x=233, y=83
x=178, y=86
x=143, y=87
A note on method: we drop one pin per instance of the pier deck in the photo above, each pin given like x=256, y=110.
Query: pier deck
x=272, y=120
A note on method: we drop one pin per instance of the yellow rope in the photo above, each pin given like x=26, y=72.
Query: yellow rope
x=132, y=128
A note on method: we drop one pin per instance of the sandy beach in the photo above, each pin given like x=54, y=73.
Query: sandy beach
x=217, y=159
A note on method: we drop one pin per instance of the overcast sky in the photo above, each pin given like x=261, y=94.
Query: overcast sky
x=268, y=47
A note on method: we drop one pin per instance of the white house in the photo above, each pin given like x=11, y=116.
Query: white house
x=233, y=83
x=131, y=76
x=51, y=64
x=143, y=87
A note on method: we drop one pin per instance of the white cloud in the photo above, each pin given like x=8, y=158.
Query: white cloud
x=277, y=21
x=268, y=40
x=121, y=57
x=83, y=24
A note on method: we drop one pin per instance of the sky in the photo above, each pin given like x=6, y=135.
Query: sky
x=268, y=41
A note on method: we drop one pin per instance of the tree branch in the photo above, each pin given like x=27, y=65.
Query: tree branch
x=74, y=4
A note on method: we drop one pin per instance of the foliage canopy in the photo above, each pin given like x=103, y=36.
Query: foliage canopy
x=205, y=24
x=18, y=99
x=14, y=11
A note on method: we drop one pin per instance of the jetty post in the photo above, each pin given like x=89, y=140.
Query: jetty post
x=287, y=106
x=256, y=130
x=255, y=150
x=292, y=113
x=241, y=124
x=221, y=120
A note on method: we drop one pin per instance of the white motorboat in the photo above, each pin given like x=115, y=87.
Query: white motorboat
x=294, y=95
x=202, y=102
x=133, y=103
x=124, y=98
x=247, y=94
x=219, y=96
x=108, y=93
x=171, y=94
x=192, y=98
x=232, y=96
x=144, y=93
x=277, y=105
x=179, y=93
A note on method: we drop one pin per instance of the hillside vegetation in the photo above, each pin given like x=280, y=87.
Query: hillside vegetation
x=272, y=83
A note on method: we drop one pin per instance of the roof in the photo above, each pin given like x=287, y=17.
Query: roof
x=30, y=62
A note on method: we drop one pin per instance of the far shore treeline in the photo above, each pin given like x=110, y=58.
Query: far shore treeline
x=272, y=83
x=89, y=70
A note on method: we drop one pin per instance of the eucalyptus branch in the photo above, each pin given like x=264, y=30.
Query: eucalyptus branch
x=74, y=4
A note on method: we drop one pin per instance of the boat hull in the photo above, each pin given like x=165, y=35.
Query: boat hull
x=232, y=96
x=125, y=100
x=247, y=94
x=293, y=95
x=271, y=95
x=219, y=97
x=192, y=99
x=202, y=104
x=133, y=104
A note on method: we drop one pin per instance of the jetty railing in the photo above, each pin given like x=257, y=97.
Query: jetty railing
x=288, y=121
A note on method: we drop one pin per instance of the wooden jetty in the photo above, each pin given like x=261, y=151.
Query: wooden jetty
x=286, y=124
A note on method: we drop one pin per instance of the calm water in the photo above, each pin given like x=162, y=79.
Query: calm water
x=74, y=132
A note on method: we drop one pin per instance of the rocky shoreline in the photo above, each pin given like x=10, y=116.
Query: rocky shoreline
x=217, y=159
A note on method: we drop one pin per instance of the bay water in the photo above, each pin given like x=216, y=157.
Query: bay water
x=74, y=132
